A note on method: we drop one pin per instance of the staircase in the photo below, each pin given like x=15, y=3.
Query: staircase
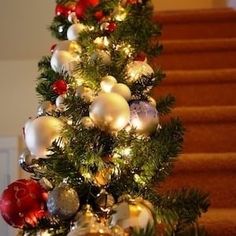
x=199, y=59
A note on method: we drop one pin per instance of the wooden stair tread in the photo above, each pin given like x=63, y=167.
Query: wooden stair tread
x=198, y=45
x=208, y=114
x=206, y=162
x=191, y=16
x=220, y=221
x=227, y=75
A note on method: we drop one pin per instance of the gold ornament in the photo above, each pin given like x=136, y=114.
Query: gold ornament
x=103, y=55
x=87, y=225
x=87, y=122
x=122, y=90
x=132, y=213
x=102, y=42
x=41, y=133
x=110, y=112
x=137, y=69
x=107, y=83
x=85, y=93
x=60, y=103
x=152, y=101
x=103, y=177
x=120, y=13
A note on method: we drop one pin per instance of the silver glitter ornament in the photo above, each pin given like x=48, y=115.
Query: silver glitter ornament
x=63, y=201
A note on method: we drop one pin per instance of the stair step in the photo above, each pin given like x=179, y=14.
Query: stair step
x=208, y=129
x=205, y=162
x=197, y=54
x=219, y=184
x=215, y=23
x=198, y=88
x=220, y=222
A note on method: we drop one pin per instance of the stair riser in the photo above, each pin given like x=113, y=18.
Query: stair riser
x=199, y=94
x=210, y=137
x=196, y=60
x=199, y=30
x=220, y=186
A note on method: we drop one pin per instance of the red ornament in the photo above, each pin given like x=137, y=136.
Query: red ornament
x=60, y=87
x=141, y=57
x=132, y=2
x=111, y=27
x=53, y=48
x=83, y=5
x=99, y=15
x=23, y=202
x=64, y=10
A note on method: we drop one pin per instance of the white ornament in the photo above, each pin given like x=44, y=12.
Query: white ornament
x=63, y=61
x=41, y=133
x=122, y=90
x=107, y=83
x=74, y=31
x=104, y=55
x=60, y=103
x=110, y=112
x=137, y=69
x=131, y=215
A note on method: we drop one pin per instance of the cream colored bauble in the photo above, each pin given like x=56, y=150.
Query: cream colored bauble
x=60, y=103
x=69, y=46
x=41, y=133
x=107, y=83
x=62, y=61
x=104, y=56
x=74, y=31
x=87, y=122
x=110, y=112
x=137, y=69
x=134, y=215
x=102, y=42
x=123, y=90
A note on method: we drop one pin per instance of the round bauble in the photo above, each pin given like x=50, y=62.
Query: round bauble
x=60, y=87
x=87, y=225
x=137, y=69
x=120, y=13
x=25, y=161
x=60, y=103
x=45, y=108
x=22, y=203
x=64, y=10
x=69, y=46
x=122, y=90
x=143, y=117
x=63, y=201
x=102, y=42
x=107, y=83
x=63, y=61
x=86, y=93
x=41, y=133
x=74, y=31
x=87, y=122
x=103, y=55
x=110, y=112
x=134, y=214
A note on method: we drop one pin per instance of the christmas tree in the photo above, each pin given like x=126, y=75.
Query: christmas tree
x=100, y=145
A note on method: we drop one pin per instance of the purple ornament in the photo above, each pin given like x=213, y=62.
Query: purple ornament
x=144, y=117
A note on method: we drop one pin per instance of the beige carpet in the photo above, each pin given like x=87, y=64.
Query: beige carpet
x=200, y=63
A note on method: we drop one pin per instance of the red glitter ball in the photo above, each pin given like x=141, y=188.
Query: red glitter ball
x=23, y=203
x=99, y=15
x=60, y=87
x=140, y=56
x=83, y=5
x=62, y=10
x=111, y=27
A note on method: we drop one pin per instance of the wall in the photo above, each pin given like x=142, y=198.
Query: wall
x=24, y=39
